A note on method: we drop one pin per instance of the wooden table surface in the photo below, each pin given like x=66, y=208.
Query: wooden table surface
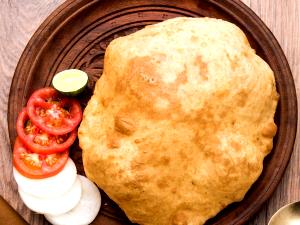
x=20, y=18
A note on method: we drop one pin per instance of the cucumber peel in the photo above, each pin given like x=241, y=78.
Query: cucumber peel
x=70, y=82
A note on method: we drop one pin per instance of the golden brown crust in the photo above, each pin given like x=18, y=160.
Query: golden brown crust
x=180, y=121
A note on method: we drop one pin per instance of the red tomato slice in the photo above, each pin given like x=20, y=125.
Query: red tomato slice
x=52, y=113
x=39, y=141
x=37, y=166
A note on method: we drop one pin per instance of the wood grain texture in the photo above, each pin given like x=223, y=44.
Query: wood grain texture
x=18, y=21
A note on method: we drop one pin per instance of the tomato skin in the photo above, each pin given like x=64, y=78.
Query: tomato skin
x=28, y=139
x=21, y=161
x=55, y=123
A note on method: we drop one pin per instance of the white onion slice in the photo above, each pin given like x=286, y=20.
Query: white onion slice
x=51, y=186
x=86, y=210
x=54, y=205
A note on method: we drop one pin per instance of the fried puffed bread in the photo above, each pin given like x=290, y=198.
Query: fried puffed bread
x=180, y=121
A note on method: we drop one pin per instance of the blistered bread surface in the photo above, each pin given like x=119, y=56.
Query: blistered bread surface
x=180, y=121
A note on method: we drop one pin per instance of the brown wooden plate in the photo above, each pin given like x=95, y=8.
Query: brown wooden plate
x=75, y=36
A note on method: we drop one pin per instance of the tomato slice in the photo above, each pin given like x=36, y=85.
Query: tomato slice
x=38, y=140
x=37, y=166
x=52, y=113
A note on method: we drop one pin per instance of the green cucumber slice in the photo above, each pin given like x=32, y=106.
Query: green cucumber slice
x=70, y=82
